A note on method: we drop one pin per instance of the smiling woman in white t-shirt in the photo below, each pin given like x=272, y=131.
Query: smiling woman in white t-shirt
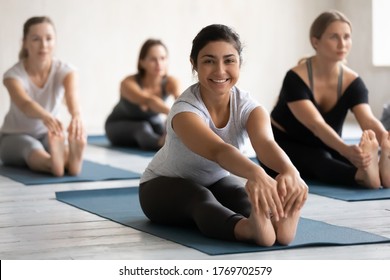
x=31, y=133
x=189, y=182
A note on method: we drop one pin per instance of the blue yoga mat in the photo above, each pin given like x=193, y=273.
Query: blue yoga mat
x=122, y=205
x=102, y=141
x=347, y=193
x=91, y=171
x=351, y=141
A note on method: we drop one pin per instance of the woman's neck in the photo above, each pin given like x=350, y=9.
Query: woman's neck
x=37, y=67
x=215, y=103
x=151, y=80
x=325, y=68
x=38, y=71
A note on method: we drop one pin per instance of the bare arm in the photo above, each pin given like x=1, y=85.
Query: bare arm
x=308, y=115
x=131, y=91
x=31, y=108
x=292, y=189
x=367, y=120
x=173, y=87
x=76, y=126
x=200, y=139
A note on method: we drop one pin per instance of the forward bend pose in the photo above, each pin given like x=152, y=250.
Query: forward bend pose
x=308, y=118
x=189, y=182
x=31, y=133
x=135, y=120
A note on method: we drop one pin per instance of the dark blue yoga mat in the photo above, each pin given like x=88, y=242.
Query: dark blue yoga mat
x=102, y=141
x=122, y=205
x=347, y=193
x=91, y=171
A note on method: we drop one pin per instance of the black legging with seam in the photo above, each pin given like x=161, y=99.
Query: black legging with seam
x=214, y=209
x=144, y=134
x=315, y=162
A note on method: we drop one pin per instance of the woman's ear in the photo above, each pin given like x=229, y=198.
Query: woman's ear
x=142, y=63
x=314, y=42
x=193, y=64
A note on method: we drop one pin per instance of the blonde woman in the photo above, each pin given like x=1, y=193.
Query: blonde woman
x=31, y=133
x=315, y=98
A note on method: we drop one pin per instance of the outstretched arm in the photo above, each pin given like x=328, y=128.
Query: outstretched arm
x=367, y=120
x=31, y=108
x=308, y=115
x=291, y=188
x=76, y=126
x=200, y=139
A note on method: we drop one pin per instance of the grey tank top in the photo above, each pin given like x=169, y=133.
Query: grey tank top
x=310, y=74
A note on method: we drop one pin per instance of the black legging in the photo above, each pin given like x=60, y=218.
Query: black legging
x=316, y=163
x=214, y=209
x=144, y=134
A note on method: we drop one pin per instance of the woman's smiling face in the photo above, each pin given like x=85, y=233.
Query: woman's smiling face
x=218, y=67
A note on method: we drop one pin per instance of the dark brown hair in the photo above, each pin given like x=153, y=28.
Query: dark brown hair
x=144, y=52
x=212, y=33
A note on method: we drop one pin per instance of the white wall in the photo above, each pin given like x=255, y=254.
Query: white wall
x=102, y=38
x=377, y=79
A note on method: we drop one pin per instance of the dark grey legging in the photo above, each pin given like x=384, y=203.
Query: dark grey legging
x=214, y=209
x=144, y=134
x=316, y=163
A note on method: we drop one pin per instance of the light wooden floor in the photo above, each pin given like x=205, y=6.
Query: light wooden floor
x=33, y=225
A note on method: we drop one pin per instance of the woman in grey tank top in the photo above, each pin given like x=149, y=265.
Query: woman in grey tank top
x=135, y=120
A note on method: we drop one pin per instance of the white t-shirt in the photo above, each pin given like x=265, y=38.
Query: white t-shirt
x=50, y=97
x=174, y=159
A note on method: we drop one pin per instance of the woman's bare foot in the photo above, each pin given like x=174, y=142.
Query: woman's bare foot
x=369, y=176
x=257, y=228
x=286, y=228
x=57, y=153
x=76, y=150
x=384, y=162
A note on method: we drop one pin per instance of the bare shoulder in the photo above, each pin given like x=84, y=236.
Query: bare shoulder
x=172, y=81
x=129, y=79
x=173, y=85
x=300, y=69
x=349, y=75
x=129, y=86
x=129, y=82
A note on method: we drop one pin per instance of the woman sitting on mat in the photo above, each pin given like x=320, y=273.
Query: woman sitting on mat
x=308, y=118
x=135, y=120
x=189, y=182
x=31, y=133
